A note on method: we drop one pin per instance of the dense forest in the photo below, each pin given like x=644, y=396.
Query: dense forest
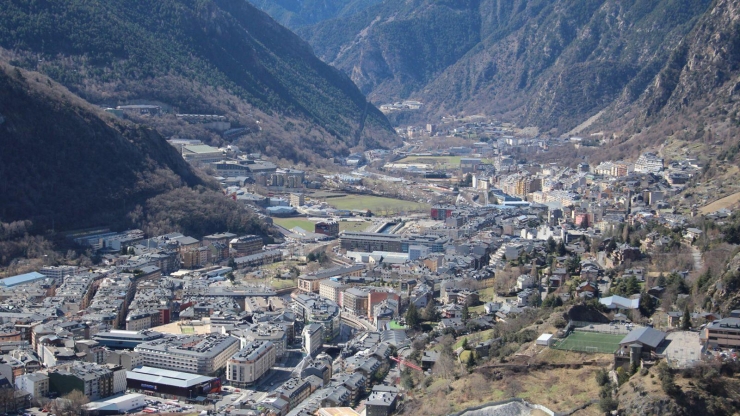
x=66, y=164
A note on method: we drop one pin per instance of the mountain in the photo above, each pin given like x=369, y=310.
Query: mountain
x=299, y=13
x=626, y=65
x=66, y=164
x=220, y=57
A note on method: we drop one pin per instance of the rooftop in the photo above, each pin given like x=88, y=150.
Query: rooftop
x=646, y=336
x=168, y=377
x=22, y=279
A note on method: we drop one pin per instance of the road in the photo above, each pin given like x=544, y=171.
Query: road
x=698, y=261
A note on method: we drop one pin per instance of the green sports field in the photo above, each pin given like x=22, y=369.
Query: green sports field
x=593, y=342
x=376, y=204
x=290, y=223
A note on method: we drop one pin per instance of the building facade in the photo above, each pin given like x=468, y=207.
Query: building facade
x=313, y=339
x=249, y=364
x=199, y=354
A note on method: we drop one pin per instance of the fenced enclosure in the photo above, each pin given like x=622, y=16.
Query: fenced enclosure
x=590, y=342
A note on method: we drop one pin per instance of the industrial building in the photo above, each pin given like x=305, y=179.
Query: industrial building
x=125, y=340
x=117, y=405
x=172, y=383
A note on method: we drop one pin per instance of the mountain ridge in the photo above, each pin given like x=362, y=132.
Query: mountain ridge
x=206, y=57
x=66, y=164
x=637, y=64
x=296, y=13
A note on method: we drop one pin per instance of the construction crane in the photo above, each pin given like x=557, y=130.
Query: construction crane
x=407, y=364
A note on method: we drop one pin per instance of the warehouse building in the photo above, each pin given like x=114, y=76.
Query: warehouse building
x=172, y=383
x=117, y=405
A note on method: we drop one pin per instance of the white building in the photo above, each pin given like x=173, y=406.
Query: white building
x=36, y=384
x=117, y=405
x=649, y=163
x=246, y=366
x=58, y=272
x=313, y=337
x=525, y=281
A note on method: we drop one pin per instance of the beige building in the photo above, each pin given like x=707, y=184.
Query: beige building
x=138, y=321
x=254, y=360
x=297, y=200
x=355, y=301
x=331, y=289
x=723, y=333
x=126, y=359
x=308, y=283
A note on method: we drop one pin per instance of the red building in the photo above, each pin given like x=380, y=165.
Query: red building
x=442, y=212
x=330, y=228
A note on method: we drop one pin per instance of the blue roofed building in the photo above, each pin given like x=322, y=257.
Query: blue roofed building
x=22, y=279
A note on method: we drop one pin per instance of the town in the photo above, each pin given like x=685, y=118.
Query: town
x=392, y=271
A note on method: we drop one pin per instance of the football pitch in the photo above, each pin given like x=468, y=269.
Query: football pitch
x=592, y=342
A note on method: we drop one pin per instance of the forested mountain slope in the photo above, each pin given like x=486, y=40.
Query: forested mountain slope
x=550, y=64
x=204, y=57
x=65, y=164
x=299, y=13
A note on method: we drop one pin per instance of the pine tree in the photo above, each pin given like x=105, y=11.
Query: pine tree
x=412, y=316
x=470, y=361
x=686, y=320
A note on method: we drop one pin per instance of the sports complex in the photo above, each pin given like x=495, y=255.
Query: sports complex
x=591, y=342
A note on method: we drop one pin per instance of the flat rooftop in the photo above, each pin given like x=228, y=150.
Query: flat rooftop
x=166, y=377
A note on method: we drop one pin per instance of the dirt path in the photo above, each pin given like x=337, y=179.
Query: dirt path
x=719, y=204
x=698, y=261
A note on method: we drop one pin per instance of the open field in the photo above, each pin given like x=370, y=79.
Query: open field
x=289, y=223
x=474, y=337
x=276, y=284
x=376, y=204
x=354, y=225
x=444, y=162
x=590, y=342
x=449, y=161
x=719, y=204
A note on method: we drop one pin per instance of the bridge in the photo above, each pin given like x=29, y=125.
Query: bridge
x=357, y=323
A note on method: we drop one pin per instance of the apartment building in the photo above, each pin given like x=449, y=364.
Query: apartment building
x=250, y=363
x=313, y=337
x=723, y=333
x=199, y=354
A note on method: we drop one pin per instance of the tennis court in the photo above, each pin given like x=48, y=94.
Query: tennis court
x=592, y=342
